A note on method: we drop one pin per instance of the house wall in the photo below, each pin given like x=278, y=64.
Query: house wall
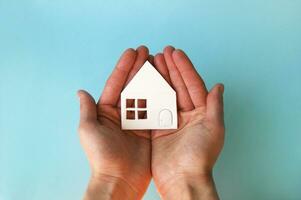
x=155, y=103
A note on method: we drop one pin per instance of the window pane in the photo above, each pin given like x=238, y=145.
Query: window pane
x=130, y=114
x=142, y=114
x=141, y=103
x=130, y=103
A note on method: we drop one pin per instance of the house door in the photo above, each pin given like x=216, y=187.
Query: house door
x=165, y=118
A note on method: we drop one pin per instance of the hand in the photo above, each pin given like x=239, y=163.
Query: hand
x=182, y=159
x=119, y=160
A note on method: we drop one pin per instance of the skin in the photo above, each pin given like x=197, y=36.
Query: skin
x=180, y=161
x=119, y=160
x=183, y=159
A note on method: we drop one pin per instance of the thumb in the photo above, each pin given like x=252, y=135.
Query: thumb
x=215, y=107
x=87, y=106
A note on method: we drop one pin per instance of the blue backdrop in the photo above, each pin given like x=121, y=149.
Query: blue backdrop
x=51, y=48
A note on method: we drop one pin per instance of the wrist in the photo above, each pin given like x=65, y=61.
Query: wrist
x=190, y=187
x=109, y=188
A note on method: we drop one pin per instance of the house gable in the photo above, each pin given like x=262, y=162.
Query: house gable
x=147, y=79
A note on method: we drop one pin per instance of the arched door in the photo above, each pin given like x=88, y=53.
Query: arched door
x=165, y=118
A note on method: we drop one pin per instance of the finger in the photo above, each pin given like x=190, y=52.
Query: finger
x=215, y=108
x=183, y=98
x=88, y=111
x=115, y=83
x=151, y=59
x=161, y=66
x=142, y=56
x=194, y=83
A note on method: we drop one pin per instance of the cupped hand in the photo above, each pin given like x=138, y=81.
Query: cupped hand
x=119, y=160
x=186, y=156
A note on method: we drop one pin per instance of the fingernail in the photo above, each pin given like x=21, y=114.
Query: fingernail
x=169, y=46
x=78, y=94
x=222, y=88
x=179, y=50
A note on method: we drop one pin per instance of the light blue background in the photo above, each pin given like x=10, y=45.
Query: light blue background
x=51, y=48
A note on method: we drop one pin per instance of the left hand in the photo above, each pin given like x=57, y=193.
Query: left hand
x=119, y=160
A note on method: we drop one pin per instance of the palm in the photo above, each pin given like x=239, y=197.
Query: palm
x=113, y=152
x=193, y=148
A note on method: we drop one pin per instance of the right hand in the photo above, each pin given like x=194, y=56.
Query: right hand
x=184, y=158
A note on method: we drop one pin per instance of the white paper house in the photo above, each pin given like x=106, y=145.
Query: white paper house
x=148, y=101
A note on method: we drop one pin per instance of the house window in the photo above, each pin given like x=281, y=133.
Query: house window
x=136, y=109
